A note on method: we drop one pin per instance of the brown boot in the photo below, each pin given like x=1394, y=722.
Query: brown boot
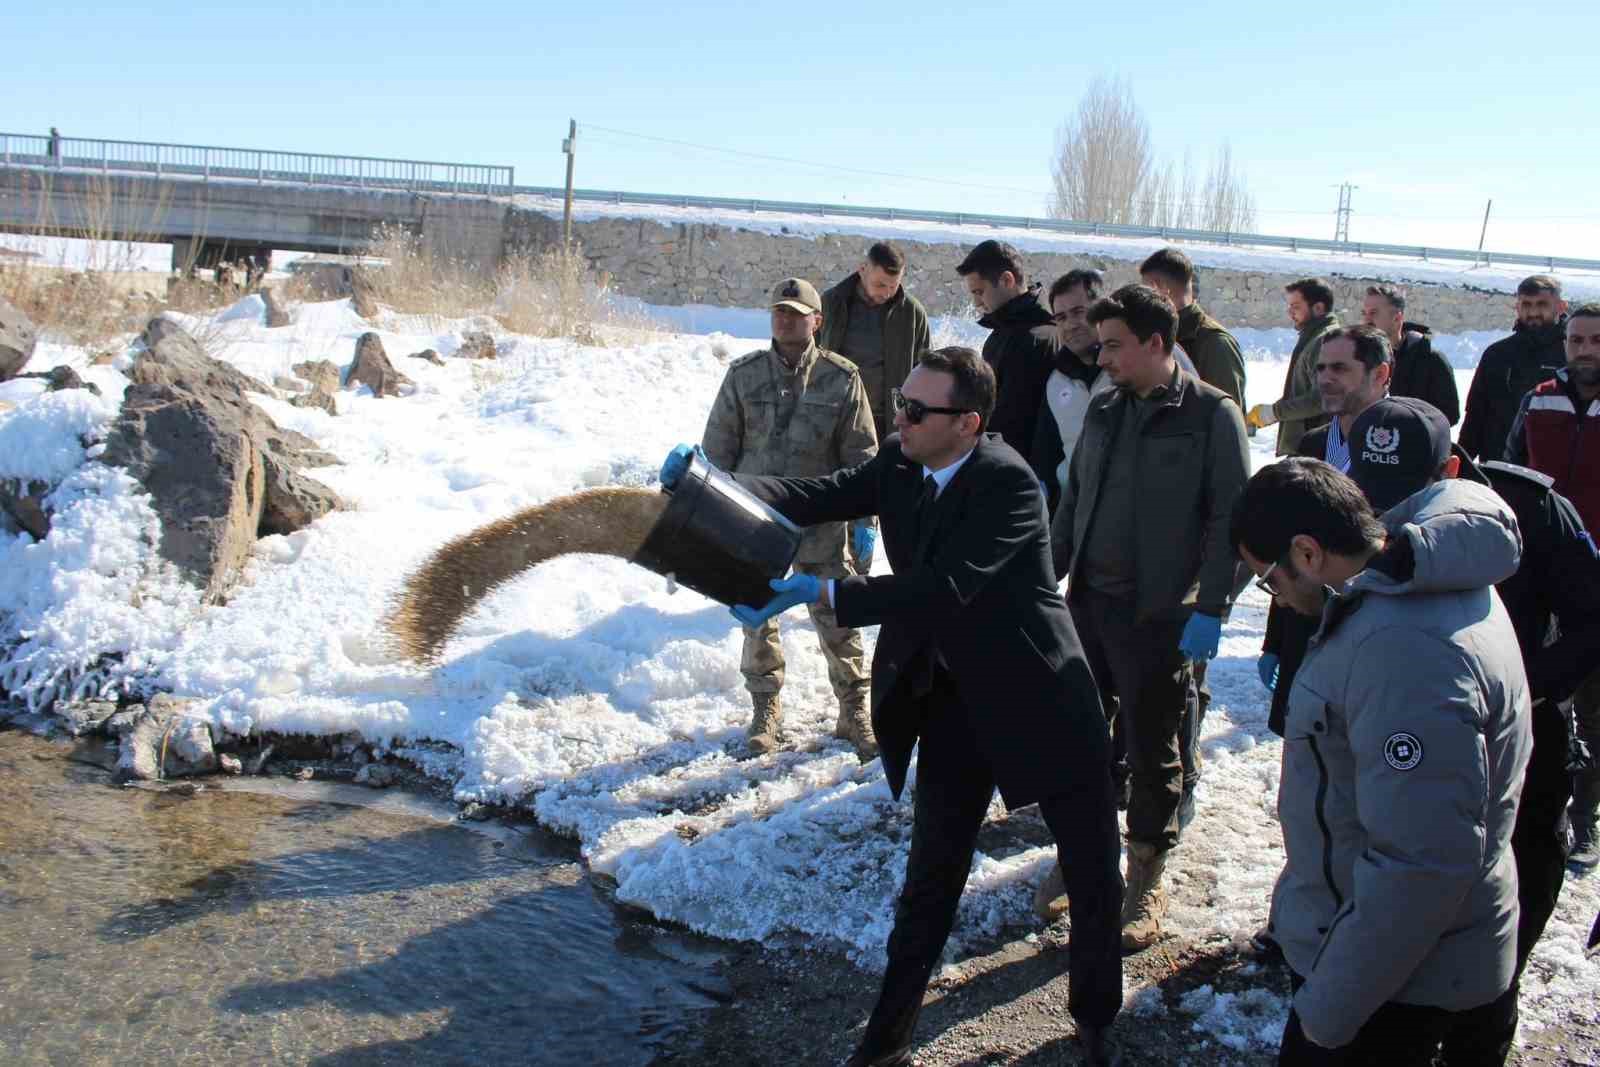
x=1050, y=899
x=855, y=726
x=1145, y=903
x=764, y=724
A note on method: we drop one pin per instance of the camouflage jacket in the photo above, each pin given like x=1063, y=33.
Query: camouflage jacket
x=805, y=422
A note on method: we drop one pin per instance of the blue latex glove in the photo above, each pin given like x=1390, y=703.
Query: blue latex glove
x=1201, y=635
x=677, y=465
x=795, y=589
x=863, y=540
x=1267, y=667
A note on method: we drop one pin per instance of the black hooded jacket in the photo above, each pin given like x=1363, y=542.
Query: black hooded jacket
x=1422, y=373
x=1021, y=347
x=1509, y=368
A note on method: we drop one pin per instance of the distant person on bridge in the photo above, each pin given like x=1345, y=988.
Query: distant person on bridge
x=1512, y=365
x=1419, y=371
x=1212, y=349
x=1021, y=346
x=55, y=145
x=1310, y=306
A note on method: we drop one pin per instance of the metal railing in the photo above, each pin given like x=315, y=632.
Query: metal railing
x=1094, y=229
x=212, y=163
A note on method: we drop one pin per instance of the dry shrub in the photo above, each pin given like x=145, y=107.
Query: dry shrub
x=412, y=278
x=82, y=306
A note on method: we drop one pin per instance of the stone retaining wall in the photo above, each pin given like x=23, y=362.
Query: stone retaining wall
x=698, y=263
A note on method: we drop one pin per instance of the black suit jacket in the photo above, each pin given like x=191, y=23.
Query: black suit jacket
x=982, y=590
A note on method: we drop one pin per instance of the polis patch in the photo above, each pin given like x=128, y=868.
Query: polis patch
x=1403, y=751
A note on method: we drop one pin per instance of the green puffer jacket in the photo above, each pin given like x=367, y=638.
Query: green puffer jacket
x=802, y=422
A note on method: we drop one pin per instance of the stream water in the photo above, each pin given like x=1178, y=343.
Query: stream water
x=267, y=921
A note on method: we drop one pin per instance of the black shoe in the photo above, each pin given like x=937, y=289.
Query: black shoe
x=1097, y=1051
x=900, y=1057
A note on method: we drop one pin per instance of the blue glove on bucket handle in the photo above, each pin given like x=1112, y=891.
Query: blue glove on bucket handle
x=677, y=465
x=795, y=589
x=1201, y=635
x=1267, y=667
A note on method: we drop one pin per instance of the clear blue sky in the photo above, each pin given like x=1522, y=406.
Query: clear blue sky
x=1430, y=107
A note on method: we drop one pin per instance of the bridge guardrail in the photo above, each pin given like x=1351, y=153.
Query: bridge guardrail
x=1093, y=229
x=208, y=162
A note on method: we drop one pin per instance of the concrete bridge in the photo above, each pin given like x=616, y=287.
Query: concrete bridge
x=213, y=204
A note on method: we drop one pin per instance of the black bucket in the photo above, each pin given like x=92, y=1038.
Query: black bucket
x=719, y=540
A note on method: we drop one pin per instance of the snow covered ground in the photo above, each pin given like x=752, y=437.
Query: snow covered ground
x=585, y=690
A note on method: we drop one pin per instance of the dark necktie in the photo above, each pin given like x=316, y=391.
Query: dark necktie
x=925, y=513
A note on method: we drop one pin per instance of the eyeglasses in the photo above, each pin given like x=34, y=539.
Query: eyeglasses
x=915, y=410
x=1264, y=583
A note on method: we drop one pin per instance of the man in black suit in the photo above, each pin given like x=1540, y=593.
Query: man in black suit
x=978, y=664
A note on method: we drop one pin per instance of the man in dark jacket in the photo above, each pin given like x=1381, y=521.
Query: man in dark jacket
x=1211, y=348
x=1142, y=533
x=1512, y=365
x=978, y=666
x=1021, y=345
x=1419, y=371
x=870, y=319
x=1557, y=432
x=1309, y=303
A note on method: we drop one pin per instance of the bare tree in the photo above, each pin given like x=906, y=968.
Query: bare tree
x=1102, y=160
x=1104, y=170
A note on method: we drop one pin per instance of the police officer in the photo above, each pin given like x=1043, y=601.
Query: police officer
x=797, y=410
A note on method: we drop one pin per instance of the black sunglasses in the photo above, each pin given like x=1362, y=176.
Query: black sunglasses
x=915, y=410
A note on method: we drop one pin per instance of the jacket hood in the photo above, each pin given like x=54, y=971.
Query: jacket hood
x=1415, y=327
x=1023, y=311
x=1462, y=536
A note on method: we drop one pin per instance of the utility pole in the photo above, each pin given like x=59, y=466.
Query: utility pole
x=570, y=147
x=1485, y=231
x=1341, y=218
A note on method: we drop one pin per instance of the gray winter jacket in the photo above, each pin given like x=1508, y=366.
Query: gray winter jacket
x=1405, y=743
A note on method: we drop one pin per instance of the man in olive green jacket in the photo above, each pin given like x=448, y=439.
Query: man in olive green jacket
x=1210, y=347
x=798, y=410
x=870, y=319
x=1299, y=410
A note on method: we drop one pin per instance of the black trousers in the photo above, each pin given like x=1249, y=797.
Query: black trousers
x=1399, y=1035
x=1141, y=666
x=954, y=786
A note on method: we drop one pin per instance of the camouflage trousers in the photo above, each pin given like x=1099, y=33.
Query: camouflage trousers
x=762, y=661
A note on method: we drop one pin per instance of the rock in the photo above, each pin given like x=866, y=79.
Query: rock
x=206, y=454
x=277, y=315
x=290, y=500
x=475, y=812
x=372, y=368
x=123, y=721
x=475, y=344
x=304, y=774
x=361, y=295
x=196, y=457
x=23, y=504
x=18, y=339
x=377, y=775
x=64, y=377
x=323, y=375
x=163, y=742
x=430, y=355
x=290, y=383
x=230, y=764
x=315, y=399
x=83, y=717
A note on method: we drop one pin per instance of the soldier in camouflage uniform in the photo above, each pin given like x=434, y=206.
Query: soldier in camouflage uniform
x=798, y=410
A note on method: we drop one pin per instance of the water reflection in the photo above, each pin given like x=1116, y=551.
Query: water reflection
x=266, y=928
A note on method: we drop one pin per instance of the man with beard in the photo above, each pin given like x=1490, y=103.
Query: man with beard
x=1557, y=432
x=1513, y=365
x=1419, y=371
x=870, y=319
x=1309, y=303
x=1021, y=345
